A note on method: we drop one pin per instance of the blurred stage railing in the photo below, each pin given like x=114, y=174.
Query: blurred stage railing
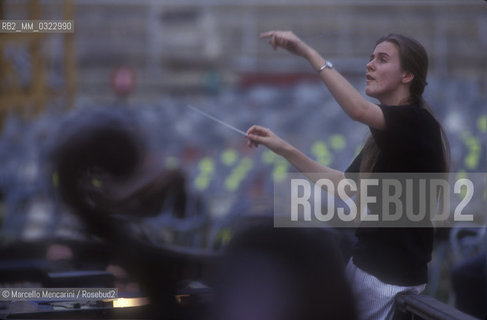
x=422, y=307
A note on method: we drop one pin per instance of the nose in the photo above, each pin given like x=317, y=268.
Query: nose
x=370, y=66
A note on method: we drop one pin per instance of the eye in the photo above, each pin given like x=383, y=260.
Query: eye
x=383, y=58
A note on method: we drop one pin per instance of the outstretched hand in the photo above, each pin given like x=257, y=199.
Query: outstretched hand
x=287, y=40
x=260, y=135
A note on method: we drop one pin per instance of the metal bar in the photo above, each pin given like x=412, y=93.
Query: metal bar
x=427, y=308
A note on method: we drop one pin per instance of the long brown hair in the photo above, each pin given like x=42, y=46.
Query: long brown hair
x=413, y=58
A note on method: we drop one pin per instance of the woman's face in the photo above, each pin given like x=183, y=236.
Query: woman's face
x=384, y=75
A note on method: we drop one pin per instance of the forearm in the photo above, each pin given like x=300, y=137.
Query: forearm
x=351, y=101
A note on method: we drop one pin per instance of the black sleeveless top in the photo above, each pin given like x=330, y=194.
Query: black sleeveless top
x=411, y=143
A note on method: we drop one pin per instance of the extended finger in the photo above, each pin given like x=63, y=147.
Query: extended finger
x=266, y=34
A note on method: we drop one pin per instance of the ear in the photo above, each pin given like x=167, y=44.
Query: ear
x=407, y=77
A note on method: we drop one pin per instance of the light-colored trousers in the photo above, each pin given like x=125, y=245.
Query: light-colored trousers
x=374, y=299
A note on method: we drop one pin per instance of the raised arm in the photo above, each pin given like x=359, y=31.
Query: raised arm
x=351, y=101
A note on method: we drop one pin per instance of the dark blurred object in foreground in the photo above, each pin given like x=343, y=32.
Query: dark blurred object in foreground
x=104, y=166
x=106, y=173
x=283, y=274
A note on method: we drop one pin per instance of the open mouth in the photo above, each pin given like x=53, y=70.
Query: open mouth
x=369, y=77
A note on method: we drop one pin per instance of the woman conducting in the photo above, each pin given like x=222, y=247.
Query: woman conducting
x=405, y=137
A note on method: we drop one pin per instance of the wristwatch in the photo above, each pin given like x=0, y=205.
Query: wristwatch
x=327, y=64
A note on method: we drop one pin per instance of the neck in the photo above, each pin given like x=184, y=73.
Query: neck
x=396, y=101
x=396, y=98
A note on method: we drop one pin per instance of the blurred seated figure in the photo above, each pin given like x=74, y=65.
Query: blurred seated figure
x=103, y=166
x=283, y=274
x=107, y=174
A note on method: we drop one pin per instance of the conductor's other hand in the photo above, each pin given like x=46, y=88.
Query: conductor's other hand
x=260, y=135
x=287, y=40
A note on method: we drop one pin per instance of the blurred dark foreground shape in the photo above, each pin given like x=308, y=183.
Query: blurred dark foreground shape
x=283, y=274
x=108, y=176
